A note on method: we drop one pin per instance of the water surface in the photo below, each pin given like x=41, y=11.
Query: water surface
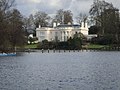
x=61, y=71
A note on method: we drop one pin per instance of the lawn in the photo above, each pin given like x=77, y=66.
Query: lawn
x=89, y=46
x=32, y=46
x=95, y=46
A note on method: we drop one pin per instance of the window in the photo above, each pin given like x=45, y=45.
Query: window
x=42, y=33
x=42, y=37
x=56, y=34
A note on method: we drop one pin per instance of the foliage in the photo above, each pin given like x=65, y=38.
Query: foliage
x=97, y=8
x=107, y=18
x=32, y=39
x=103, y=40
x=45, y=44
x=94, y=29
x=16, y=37
x=72, y=43
x=75, y=43
x=11, y=26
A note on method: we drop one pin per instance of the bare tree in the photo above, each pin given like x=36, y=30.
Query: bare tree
x=64, y=16
x=6, y=4
x=81, y=18
x=68, y=17
x=59, y=17
x=41, y=18
x=29, y=22
x=29, y=25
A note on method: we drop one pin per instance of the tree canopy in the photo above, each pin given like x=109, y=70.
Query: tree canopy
x=11, y=26
x=64, y=16
x=107, y=18
x=41, y=18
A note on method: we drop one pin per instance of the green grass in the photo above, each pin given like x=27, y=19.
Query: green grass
x=32, y=46
x=95, y=46
x=89, y=46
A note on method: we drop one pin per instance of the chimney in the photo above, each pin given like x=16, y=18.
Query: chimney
x=54, y=25
x=82, y=24
x=86, y=25
x=39, y=26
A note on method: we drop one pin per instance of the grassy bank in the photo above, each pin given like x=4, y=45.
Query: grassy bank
x=90, y=46
x=32, y=46
x=95, y=46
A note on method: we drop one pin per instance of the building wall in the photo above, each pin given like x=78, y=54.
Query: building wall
x=59, y=33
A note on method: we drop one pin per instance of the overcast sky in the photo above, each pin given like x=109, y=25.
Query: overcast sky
x=28, y=7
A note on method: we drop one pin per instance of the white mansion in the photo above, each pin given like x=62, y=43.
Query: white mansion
x=61, y=32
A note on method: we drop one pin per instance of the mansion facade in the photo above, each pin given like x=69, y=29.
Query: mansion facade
x=61, y=32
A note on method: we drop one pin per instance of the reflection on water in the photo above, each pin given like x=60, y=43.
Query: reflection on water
x=61, y=71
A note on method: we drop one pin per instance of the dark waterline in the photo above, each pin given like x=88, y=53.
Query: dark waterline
x=61, y=71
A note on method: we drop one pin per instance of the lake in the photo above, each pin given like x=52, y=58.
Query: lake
x=61, y=71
